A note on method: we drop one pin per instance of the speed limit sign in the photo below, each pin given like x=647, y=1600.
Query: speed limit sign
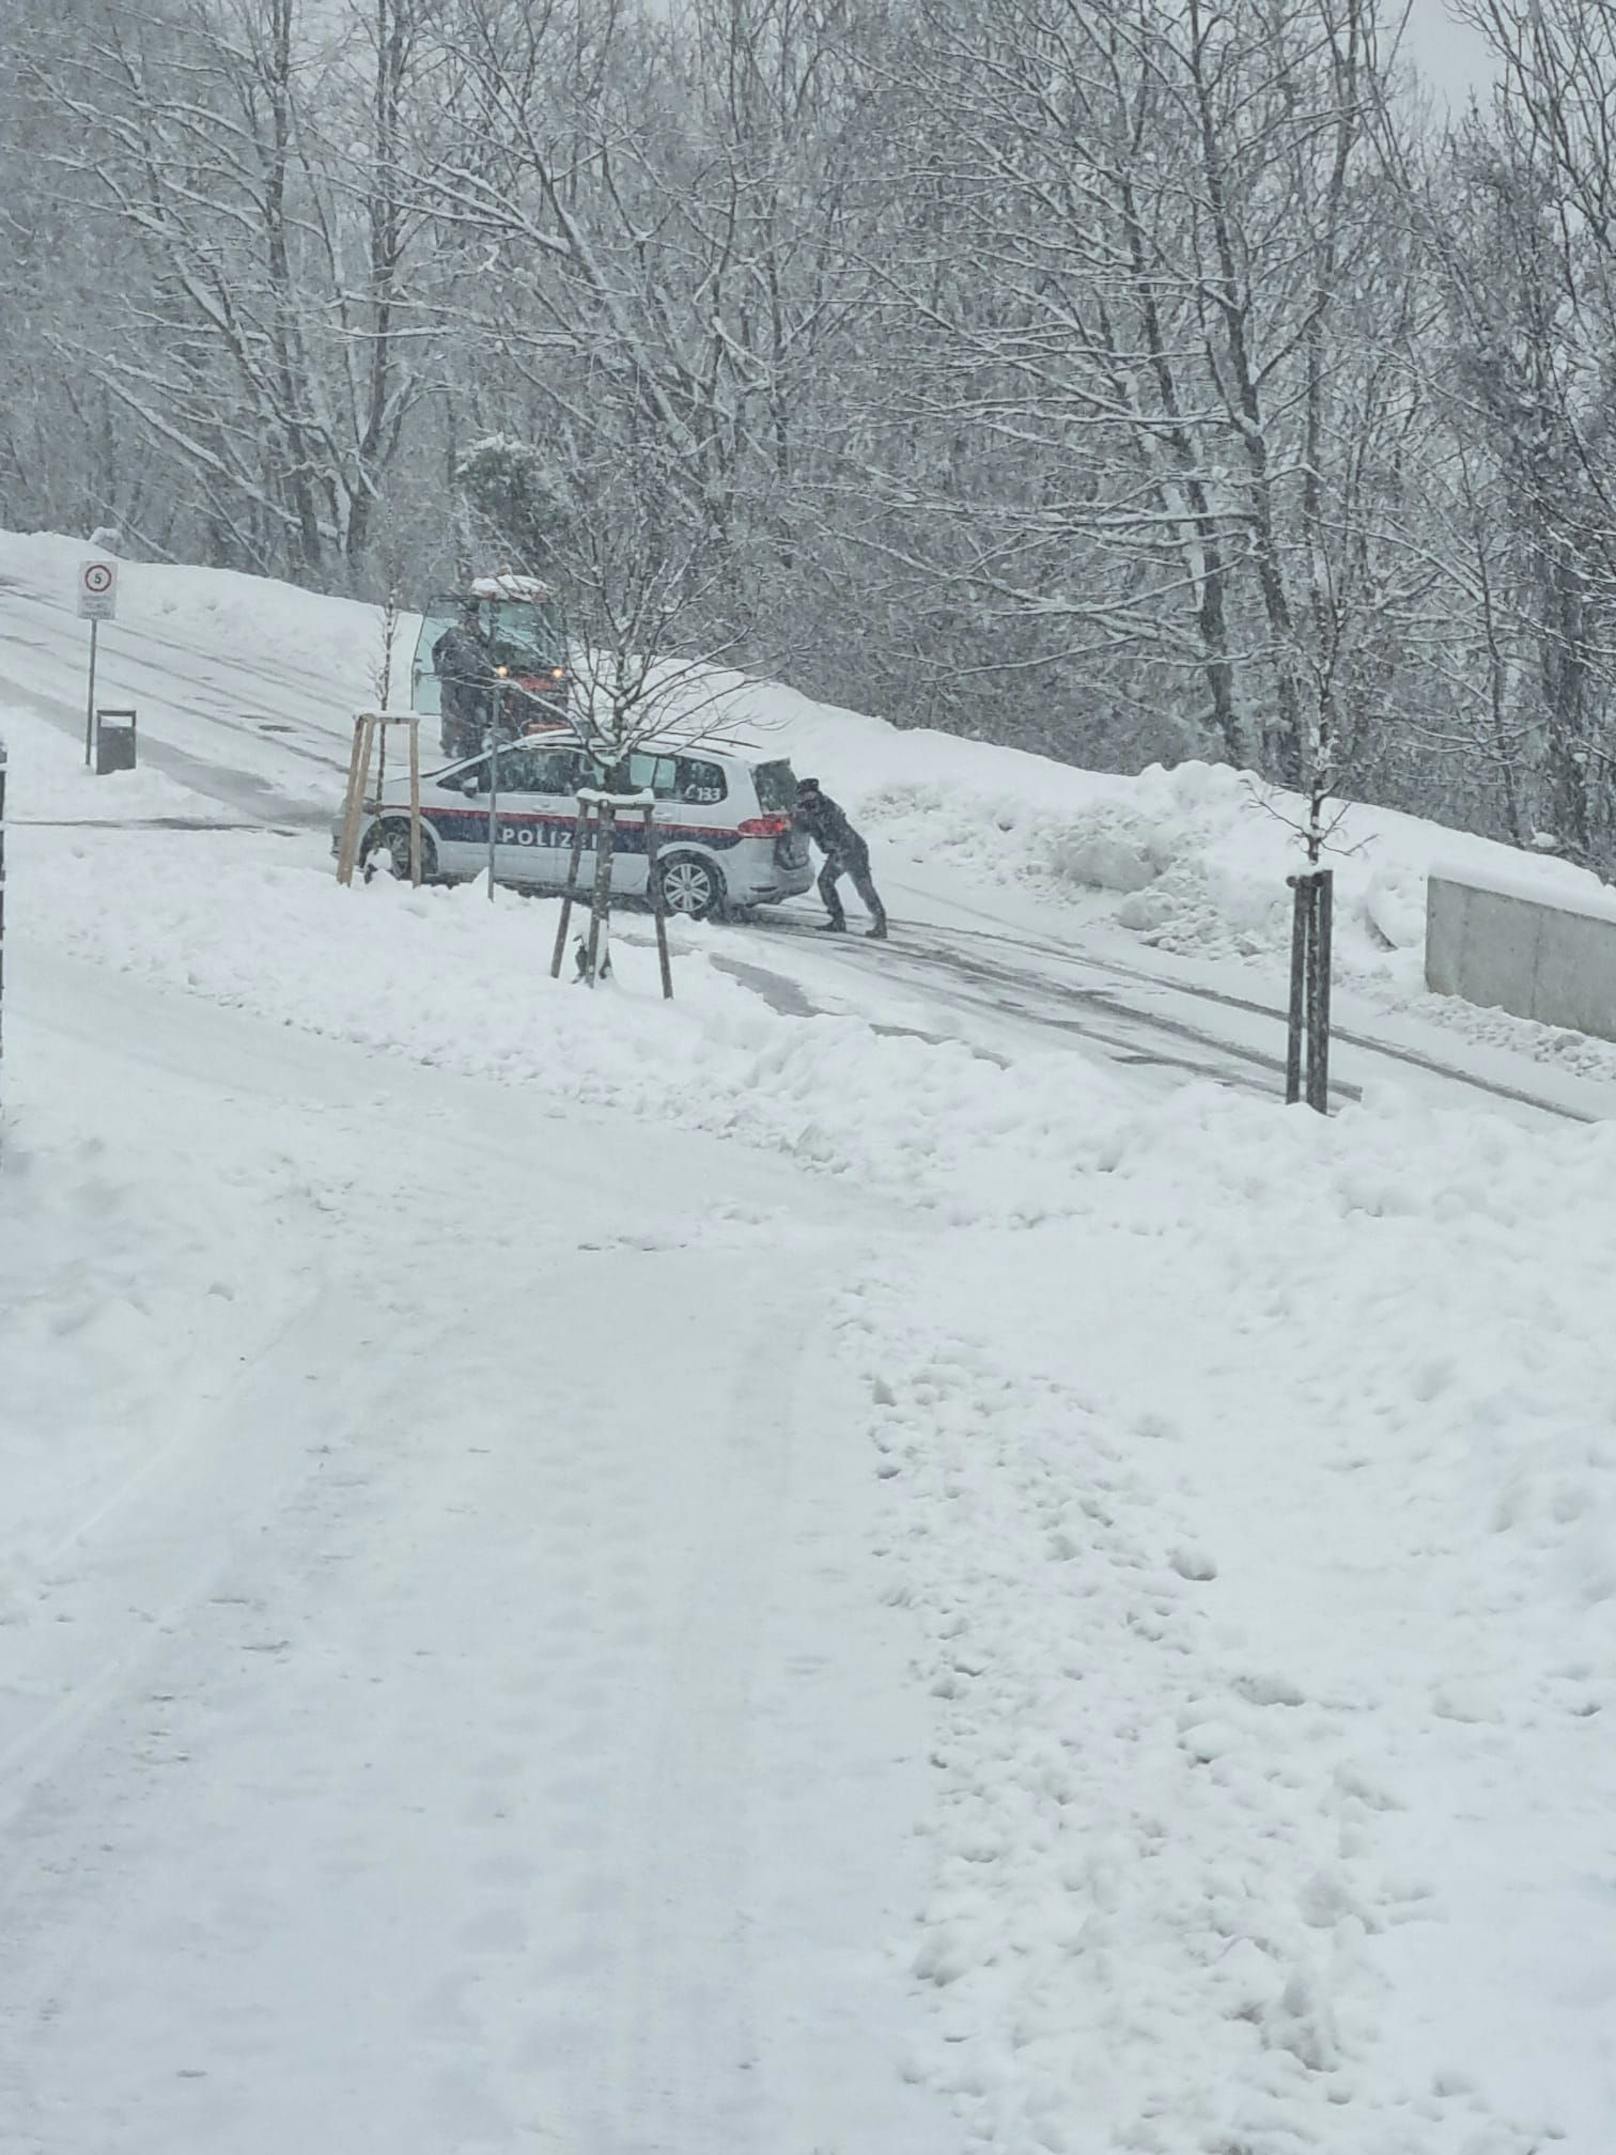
x=98, y=590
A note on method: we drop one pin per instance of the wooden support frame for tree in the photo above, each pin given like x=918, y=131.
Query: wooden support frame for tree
x=603, y=810
x=1307, y=1048
x=369, y=736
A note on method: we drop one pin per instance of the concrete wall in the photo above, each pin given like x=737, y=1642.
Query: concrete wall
x=1514, y=953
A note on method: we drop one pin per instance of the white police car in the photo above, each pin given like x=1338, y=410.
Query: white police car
x=725, y=835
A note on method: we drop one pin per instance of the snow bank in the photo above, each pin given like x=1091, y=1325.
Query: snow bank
x=61, y=789
x=1193, y=860
x=1272, y=1662
x=446, y=978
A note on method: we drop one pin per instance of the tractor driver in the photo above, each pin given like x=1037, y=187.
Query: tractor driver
x=465, y=666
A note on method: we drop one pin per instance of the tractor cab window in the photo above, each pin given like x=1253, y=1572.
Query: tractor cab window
x=426, y=687
x=525, y=634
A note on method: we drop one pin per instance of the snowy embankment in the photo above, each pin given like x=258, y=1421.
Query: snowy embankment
x=1243, y=1482
x=1190, y=861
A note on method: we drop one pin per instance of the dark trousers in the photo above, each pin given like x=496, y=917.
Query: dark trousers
x=464, y=705
x=857, y=865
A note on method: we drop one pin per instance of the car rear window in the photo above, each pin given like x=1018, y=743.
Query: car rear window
x=776, y=785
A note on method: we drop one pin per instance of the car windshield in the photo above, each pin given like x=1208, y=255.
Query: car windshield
x=526, y=637
x=776, y=785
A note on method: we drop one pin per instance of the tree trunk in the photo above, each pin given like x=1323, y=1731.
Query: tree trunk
x=598, y=959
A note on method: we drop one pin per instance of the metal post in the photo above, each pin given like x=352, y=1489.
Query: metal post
x=496, y=731
x=415, y=802
x=89, y=701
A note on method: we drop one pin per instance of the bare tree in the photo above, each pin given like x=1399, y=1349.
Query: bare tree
x=250, y=156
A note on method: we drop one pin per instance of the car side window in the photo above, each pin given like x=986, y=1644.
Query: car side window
x=677, y=778
x=555, y=770
x=518, y=770
x=699, y=782
x=658, y=773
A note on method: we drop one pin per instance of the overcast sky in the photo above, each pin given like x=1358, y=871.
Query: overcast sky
x=1450, y=55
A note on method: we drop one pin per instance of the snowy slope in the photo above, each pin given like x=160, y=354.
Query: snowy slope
x=1079, y=1613
x=246, y=689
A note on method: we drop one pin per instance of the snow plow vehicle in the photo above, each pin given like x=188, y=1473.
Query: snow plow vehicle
x=492, y=657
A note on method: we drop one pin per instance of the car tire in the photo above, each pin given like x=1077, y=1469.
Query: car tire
x=389, y=845
x=691, y=887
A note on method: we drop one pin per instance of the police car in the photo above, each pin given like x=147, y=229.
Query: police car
x=724, y=829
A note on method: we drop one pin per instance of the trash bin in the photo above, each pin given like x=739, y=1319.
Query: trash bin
x=114, y=741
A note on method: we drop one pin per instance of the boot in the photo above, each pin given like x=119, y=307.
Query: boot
x=836, y=925
x=877, y=931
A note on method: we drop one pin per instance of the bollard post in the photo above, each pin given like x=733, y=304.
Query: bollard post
x=1318, y=1002
x=1307, y=1046
x=1301, y=911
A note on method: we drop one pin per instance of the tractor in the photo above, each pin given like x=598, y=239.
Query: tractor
x=518, y=685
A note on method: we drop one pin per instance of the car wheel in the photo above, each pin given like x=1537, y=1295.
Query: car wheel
x=392, y=845
x=691, y=886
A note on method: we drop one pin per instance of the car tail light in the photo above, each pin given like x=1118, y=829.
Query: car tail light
x=764, y=826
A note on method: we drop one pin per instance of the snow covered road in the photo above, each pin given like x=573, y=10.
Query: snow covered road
x=425, y=1725
x=859, y=1563
x=246, y=692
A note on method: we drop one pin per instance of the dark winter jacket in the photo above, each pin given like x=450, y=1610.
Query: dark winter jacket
x=827, y=825
x=460, y=656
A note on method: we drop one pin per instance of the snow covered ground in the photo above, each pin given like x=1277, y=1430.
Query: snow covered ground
x=646, y=1580
x=1169, y=888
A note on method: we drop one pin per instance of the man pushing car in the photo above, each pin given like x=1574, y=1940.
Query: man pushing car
x=845, y=854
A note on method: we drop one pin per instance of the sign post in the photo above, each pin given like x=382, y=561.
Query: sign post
x=98, y=602
x=496, y=738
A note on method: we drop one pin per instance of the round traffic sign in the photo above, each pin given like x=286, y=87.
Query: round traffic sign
x=97, y=579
